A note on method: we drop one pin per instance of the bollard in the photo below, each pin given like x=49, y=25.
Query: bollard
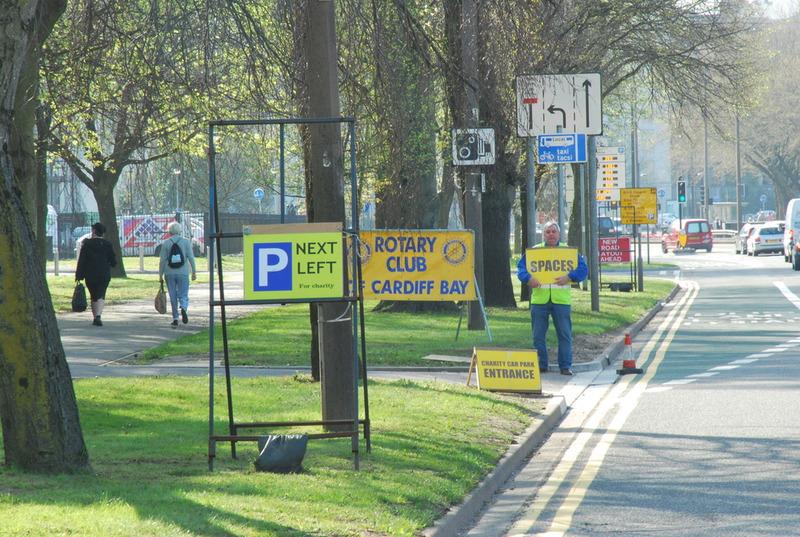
x=141, y=258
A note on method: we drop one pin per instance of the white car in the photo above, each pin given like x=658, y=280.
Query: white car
x=766, y=238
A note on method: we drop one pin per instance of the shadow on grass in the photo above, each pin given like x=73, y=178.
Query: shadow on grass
x=146, y=439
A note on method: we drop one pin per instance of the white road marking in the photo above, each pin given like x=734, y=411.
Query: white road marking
x=678, y=382
x=791, y=297
x=724, y=368
x=744, y=361
x=705, y=375
x=775, y=349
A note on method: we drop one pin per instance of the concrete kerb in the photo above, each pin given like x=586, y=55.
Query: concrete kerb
x=460, y=516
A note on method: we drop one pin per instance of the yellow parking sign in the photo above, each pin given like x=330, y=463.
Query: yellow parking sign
x=547, y=263
x=293, y=261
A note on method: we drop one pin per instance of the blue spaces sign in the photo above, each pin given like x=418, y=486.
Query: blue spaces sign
x=562, y=148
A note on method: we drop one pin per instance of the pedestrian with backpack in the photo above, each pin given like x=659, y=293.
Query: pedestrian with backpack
x=174, y=267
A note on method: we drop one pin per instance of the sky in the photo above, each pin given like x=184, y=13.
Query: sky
x=780, y=8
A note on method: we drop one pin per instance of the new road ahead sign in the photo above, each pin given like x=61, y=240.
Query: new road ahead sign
x=562, y=148
x=547, y=102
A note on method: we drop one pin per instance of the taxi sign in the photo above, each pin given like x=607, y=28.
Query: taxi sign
x=293, y=261
x=638, y=205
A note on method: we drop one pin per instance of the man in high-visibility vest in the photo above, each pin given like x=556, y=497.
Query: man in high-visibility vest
x=552, y=300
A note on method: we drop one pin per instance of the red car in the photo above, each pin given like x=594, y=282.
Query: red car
x=689, y=234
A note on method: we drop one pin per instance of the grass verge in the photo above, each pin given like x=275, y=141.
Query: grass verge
x=431, y=444
x=281, y=335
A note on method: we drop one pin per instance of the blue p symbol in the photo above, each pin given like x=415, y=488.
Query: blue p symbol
x=273, y=266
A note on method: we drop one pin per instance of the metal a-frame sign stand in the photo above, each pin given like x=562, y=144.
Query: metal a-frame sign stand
x=355, y=296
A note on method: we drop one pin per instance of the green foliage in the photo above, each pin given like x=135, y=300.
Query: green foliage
x=147, y=440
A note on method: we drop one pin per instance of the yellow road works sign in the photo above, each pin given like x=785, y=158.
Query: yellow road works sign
x=638, y=206
x=548, y=263
x=418, y=265
x=507, y=370
x=293, y=261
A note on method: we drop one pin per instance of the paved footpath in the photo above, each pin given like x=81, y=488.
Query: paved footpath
x=134, y=326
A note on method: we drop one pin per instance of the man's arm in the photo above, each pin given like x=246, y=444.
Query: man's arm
x=581, y=271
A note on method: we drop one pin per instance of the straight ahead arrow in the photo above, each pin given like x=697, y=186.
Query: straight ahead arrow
x=586, y=86
x=552, y=109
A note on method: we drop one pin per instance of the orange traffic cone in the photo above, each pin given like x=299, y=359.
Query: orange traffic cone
x=628, y=361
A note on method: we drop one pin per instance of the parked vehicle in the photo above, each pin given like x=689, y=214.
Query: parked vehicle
x=766, y=238
x=691, y=234
x=742, y=236
x=792, y=229
x=766, y=216
x=606, y=227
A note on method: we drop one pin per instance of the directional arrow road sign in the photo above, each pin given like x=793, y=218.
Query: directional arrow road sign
x=546, y=103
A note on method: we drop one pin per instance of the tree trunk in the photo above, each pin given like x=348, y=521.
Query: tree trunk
x=38, y=411
x=104, y=183
x=43, y=119
x=524, y=290
x=404, y=89
x=498, y=287
x=41, y=427
x=325, y=150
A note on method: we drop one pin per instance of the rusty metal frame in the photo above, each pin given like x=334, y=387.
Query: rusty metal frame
x=355, y=300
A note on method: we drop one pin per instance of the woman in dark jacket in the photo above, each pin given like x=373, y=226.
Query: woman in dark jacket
x=94, y=265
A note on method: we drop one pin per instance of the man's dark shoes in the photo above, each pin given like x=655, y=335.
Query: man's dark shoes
x=97, y=321
x=174, y=323
x=184, y=317
x=567, y=372
x=543, y=370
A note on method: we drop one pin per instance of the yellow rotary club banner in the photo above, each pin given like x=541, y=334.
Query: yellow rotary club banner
x=549, y=262
x=293, y=261
x=506, y=370
x=418, y=265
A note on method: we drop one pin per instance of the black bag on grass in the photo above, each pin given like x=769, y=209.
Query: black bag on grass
x=79, y=298
x=281, y=453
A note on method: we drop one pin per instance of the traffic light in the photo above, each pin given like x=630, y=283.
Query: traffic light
x=681, y=191
x=702, y=190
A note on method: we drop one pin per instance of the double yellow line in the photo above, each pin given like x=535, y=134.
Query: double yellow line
x=621, y=399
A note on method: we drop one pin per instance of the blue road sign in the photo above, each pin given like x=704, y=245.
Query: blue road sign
x=258, y=193
x=562, y=148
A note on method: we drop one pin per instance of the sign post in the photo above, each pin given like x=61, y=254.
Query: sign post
x=258, y=194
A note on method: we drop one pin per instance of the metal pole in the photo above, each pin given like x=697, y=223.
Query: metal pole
x=283, y=176
x=356, y=284
x=212, y=179
x=594, y=265
x=582, y=205
x=635, y=176
x=738, y=180
x=704, y=201
x=530, y=195
x=560, y=190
